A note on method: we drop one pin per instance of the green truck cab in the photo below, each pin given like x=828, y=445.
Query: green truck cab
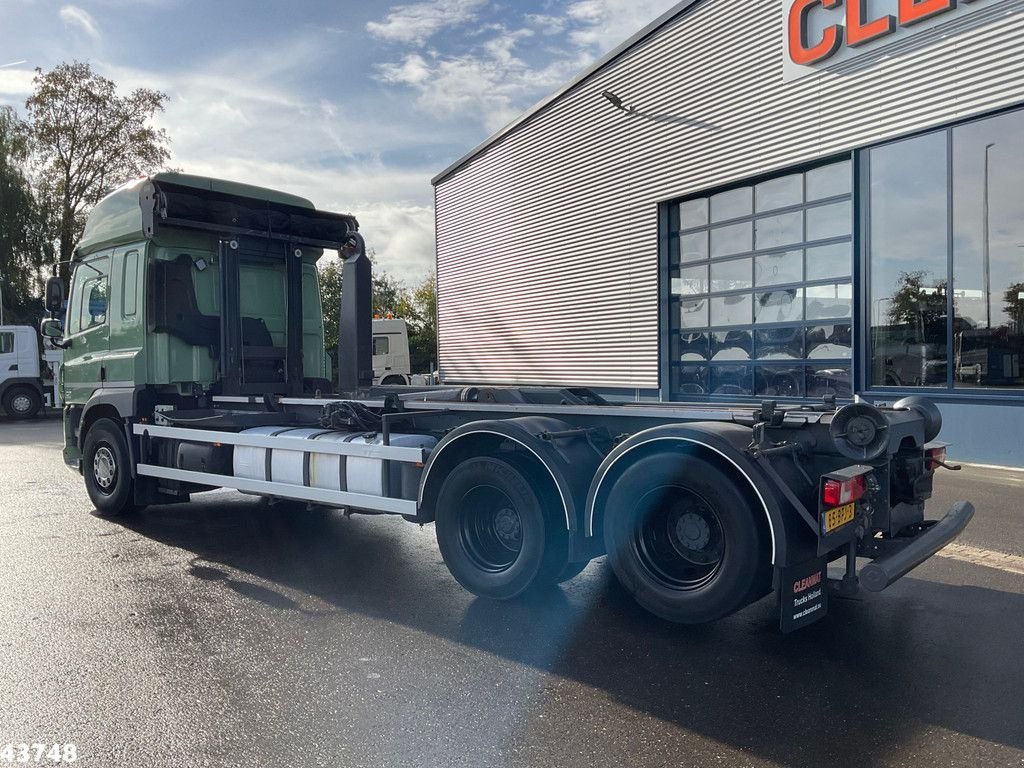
x=143, y=325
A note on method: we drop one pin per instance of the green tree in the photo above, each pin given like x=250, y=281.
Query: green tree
x=89, y=139
x=330, y=300
x=423, y=335
x=21, y=234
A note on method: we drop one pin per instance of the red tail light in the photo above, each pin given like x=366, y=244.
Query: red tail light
x=838, y=492
x=934, y=457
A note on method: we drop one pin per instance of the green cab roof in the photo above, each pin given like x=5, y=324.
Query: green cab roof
x=119, y=217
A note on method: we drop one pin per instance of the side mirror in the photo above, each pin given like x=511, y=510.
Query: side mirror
x=54, y=296
x=51, y=329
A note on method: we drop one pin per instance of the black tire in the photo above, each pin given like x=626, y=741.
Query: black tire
x=22, y=402
x=684, y=541
x=496, y=537
x=390, y=380
x=107, y=470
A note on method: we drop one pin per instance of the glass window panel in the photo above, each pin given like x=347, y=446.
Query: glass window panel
x=829, y=181
x=693, y=313
x=6, y=343
x=693, y=213
x=782, y=192
x=731, y=345
x=829, y=301
x=693, y=247
x=732, y=380
x=735, y=238
x=779, y=267
x=832, y=220
x=691, y=379
x=691, y=280
x=779, y=381
x=691, y=346
x=776, y=231
x=731, y=275
x=826, y=261
x=829, y=380
x=780, y=343
x=782, y=306
x=988, y=257
x=731, y=310
x=733, y=204
x=907, y=305
x=829, y=341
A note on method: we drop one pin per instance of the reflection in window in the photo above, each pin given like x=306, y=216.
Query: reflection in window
x=780, y=343
x=731, y=239
x=740, y=285
x=731, y=345
x=988, y=257
x=826, y=261
x=691, y=346
x=732, y=380
x=829, y=181
x=829, y=342
x=731, y=275
x=827, y=221
x=693, y=213
x=782, y=306
x=831, y=380
x=733, y=204
x=783, y=192
x=825, y=302
x=731, y=310
x=691, y=380
x=908, y=255
x=779, y=381
x=779, y=267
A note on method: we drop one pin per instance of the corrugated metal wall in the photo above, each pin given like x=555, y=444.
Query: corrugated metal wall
x=547, y=251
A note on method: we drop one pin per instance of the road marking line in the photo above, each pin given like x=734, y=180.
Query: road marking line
x=987, y=557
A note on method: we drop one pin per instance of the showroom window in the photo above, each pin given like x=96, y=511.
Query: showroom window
x=760, y=294
x=946, y=257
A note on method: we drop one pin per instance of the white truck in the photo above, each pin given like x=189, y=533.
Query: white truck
x=27, y=378
x=391, y=363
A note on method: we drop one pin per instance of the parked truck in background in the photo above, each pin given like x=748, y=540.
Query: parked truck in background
x=192, y=363
x=391, y=364
x=27, y=375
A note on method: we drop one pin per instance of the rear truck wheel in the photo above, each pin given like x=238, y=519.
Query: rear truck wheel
x=389, y=380
x=495, y=535
x=107, y=470
x=22, y=402
x=684, y=541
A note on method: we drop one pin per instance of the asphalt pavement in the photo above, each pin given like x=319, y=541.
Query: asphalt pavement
x=228, y=632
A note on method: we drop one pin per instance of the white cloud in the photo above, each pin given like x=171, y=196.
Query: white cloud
x=16, y=82
x=418, y=22
x=600, y=25
x=490, y=85
x=74, y=16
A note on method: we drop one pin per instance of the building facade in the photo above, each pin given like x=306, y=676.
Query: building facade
x=775, y=200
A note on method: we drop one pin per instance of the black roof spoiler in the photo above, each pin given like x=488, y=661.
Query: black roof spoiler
x=173, y=205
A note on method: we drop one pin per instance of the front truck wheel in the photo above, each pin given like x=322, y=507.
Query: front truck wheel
x=22, y=402
x=684, y=541
x=107, y=469
x=496, y=536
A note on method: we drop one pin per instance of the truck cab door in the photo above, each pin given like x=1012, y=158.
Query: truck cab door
x=8, y=355
x=88, y=329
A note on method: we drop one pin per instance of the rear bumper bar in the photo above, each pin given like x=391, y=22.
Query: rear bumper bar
x=903, y=555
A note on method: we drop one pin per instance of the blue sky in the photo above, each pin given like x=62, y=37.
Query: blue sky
x=354, y=105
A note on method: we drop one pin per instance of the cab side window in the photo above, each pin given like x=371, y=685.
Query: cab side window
x=6, y=343
x=380, y=345
x=90, y=296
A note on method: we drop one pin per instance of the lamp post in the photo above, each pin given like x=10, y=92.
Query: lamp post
x=1, y=300
x=985, y=242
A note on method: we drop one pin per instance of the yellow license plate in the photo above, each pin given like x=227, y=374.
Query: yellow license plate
x=838, y=516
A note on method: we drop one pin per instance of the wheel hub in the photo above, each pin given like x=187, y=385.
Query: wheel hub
x=104, y=468
x=22, y=403
x=508, y=528
x=692, y=532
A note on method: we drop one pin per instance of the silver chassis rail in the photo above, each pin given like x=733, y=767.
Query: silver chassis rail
x=323, y=496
